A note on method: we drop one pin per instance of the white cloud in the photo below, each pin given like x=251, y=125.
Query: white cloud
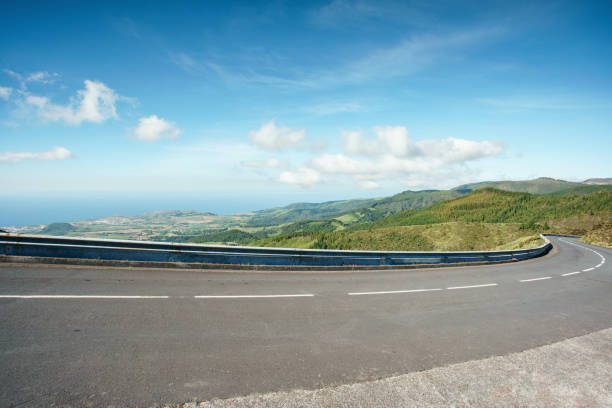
x=393, y=140
x=428, y=155
x=95, y=103
x=387, y=154
x=393, y=154
x=354, y=143
x=42, y=77
x=271, y=137
x=271, y=163
x=304, y=177
x=5, y=92
x=57, y=153
x=152, y=128
x=369, y=185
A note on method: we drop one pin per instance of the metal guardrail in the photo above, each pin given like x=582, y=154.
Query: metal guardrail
x=123, y=250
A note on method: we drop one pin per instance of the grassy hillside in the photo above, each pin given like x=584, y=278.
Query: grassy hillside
x=485, y=219
x=305, y=212
x=349, y=211
x=584, y=189
x=542, y=185
x=490, y=205
x=451, y=236
x=407, y=200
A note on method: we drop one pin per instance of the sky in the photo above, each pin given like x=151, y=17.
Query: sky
x=126, y=107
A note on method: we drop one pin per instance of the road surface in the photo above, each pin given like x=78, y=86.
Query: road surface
x=86, y=336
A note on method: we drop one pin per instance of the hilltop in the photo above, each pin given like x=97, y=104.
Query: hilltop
x=541, y=185
x=607, y=180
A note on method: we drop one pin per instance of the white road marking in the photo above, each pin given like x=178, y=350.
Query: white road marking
x=570, y=273
x=536, y=279
x=588, y=270
x=252, y=296
x=472, y=286
x=392, y=292
x=79, y=297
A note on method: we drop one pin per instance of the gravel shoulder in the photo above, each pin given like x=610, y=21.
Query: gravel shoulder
x=573, y=373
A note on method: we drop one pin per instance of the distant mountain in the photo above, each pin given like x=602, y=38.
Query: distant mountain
x=584, y=189
x=299, y=212
x=542, y=185
x=607, y=180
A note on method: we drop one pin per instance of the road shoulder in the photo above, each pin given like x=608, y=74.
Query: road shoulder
x=570, y=373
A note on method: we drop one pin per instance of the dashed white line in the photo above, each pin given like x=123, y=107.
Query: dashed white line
x=571, y=273
x=536, y=279
x=79, y=297
x=252, y=296
x=472, y=286
x=392, y=292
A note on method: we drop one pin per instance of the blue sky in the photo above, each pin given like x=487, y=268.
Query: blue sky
x=240, y=105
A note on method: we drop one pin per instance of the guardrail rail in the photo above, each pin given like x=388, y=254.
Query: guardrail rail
x=40, y=246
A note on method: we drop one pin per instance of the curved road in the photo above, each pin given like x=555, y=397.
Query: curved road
x=88, y=336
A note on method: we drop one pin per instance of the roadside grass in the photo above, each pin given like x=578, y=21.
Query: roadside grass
x=452, y=236
x=602, y=236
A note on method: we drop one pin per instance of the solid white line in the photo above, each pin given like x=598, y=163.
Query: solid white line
x=392, y=292
x=79, y=297
x=251, y=296
x=570, y=273
x=472, y=286
x=535, y=279
x=588, y=270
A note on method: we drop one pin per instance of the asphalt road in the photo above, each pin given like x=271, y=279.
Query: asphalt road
x=85, y=336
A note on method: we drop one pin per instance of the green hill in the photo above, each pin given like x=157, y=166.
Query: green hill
x=305, y=212
x=491, y=205
x=450, y=236
x=58, y=228
x=475, y=221
x=542, y=185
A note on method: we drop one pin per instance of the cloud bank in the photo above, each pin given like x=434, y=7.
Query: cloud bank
x=387, y=153
x=57, y=153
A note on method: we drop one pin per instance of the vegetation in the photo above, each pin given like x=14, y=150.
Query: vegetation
x=57, y=228
x=584, y=190
x=485, y=219
x=542, y=185
x=452, y=236
x=305, y=212
x=493, y=206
